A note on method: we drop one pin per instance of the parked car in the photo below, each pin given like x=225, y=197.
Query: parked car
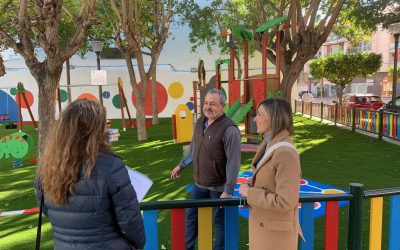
x=301, y=93
x=388, y=106
x=364, y=101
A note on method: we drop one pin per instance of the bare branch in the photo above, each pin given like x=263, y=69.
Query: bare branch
x=332, y=12
x=116, y=11
x=274, y=7
x=69, y=13
x=309, y=18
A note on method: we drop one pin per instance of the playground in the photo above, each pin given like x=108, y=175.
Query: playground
x=329, y=155
x=349, y=188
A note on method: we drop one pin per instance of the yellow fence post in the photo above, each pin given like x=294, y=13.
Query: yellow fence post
x=375, y=228
x=205, y=228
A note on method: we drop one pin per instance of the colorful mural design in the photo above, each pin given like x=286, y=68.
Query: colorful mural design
x=87, y=96
x=29, y=98
x=162, y=98
x=175, y=90
x=106, y=94
x=63, y=95
x=116, y=102
x=8, y=106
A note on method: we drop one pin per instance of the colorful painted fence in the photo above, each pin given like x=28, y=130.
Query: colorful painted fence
x=306, y=217
x=356, y=197
x=384, y=124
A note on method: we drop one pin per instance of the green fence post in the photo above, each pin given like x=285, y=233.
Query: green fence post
x=355, y=217
x=353, y=117
x=380, y=124
x=322, y=111
x=336, y=113
x=302, y=107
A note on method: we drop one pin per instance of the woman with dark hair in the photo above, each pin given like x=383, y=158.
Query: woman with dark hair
x=88, y=195
x=273, y=192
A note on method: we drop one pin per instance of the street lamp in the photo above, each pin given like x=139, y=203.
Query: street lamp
x=395, y=29
x=97, y=46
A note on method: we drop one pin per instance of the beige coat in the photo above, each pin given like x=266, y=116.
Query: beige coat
x=273, y=198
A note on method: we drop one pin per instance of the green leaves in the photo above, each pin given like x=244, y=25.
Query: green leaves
x=341, y=68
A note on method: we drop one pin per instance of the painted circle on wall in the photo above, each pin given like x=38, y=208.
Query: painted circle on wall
x=162, y=98
x=13, y=91
x=191, y=99
x=116, y=102
x=106, y=94
x=190, y=105
x=87, y=96
x=29, y=98
x=63, y=95
x=175, y=90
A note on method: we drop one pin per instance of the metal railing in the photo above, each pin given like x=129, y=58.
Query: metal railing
x=356, y=197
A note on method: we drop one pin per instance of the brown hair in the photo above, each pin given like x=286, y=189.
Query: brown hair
x=75, y=141
x=280, y=113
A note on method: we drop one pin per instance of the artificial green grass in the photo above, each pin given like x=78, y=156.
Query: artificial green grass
x=329, y=155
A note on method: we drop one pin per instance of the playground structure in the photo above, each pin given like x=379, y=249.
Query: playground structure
x=16, y=146
x=21, y=100
x=255, y=88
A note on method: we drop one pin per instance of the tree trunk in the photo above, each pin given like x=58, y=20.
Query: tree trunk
x=47, y=104
x=341, y=88
x=154, y=106
x=2, y=68
x=289, y=78
x=141, y=119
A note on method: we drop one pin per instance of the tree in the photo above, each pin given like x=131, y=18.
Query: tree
x=311, y=23
x=27, y=25
x=341, y=68
x=369, y=14
x=2, y=68
x=139, y=25
x=391, y=70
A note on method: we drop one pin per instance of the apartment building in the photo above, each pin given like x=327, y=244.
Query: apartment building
x=381, y=42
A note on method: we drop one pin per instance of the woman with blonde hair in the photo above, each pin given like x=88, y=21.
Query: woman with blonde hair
x=87, y=192
x=273, y=192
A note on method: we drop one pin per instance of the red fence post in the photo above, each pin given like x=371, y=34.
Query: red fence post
x=332, y=225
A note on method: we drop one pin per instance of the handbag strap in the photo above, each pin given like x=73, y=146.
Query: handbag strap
x=39, y=227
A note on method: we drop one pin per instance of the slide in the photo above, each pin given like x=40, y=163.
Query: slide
x=238, y=111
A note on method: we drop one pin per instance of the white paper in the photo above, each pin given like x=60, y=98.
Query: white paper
x=99, y=77
x=140, y=183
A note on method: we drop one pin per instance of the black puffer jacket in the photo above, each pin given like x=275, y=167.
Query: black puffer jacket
x=103, y=213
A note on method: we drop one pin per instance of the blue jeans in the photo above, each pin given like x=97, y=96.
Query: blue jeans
x=192, y=224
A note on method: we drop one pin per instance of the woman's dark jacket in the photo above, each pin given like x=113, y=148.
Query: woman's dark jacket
x=102, y=213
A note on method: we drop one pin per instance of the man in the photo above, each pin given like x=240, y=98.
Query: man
x=215, y=154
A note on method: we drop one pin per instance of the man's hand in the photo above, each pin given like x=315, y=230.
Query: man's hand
x=176, y=172
x=225, y=195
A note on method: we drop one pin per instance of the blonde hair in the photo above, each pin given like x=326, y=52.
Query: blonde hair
x=280, y=113
x=75, y=141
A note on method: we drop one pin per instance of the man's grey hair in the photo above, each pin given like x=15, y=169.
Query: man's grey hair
x=214, y=91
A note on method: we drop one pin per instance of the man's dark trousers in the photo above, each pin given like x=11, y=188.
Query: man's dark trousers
x=192, y=224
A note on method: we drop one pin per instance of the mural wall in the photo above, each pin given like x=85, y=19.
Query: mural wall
x=173, y=88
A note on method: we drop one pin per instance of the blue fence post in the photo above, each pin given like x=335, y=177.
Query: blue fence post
x=394, y=223
x=151, y=229
x=231, y=228
x=307, y=225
